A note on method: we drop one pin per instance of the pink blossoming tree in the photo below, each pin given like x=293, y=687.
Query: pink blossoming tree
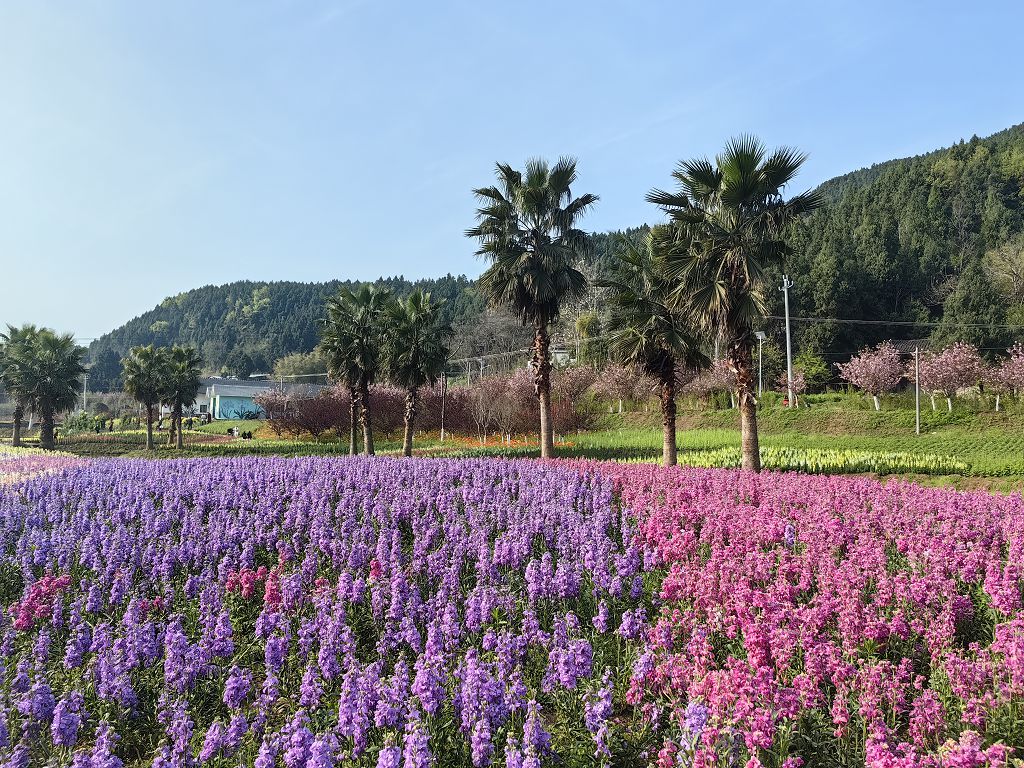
x=876, y=371
x=1007, y=376
x=955, y=367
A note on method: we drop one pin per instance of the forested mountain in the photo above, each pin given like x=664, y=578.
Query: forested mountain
x=936, y=240
x=243, y=327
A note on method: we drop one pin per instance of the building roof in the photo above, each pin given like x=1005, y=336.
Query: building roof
x=227, y=381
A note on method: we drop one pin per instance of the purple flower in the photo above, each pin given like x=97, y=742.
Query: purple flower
x=213, y=743
x=695, y=718
x=389, y=757
x=237, y=687
x=102, y=755
x=597, y=712
x=322, y=751
x=67, y=719
x=416, y=752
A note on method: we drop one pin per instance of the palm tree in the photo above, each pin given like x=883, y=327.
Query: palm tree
x=527, y=228
x=728, y=226
x=9, y=343
x=334, y=346
x=647, y=331
x=145, y=376
x=353, y=341
x=181, y=385
x=417, y=351
x=46, y=370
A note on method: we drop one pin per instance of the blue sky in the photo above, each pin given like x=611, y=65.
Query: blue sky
x=146, y=149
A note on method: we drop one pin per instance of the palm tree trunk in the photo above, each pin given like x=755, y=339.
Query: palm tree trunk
x=149, y=428
x=364, y=418
x=668, y=417
x=741, y=360
x=180, y=444
x=19, y=414
x=171, y=431
x=542, y=386
x=353, y=419
x=411, y=400
x=46, y=430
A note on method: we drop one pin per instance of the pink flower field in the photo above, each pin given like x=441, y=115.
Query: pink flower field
x=806, y=617
x=20, y=463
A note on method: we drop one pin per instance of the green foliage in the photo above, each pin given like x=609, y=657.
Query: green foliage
x=815, y=370
x=417, y=348
x=42, y=370
x=528, y=232
x=145, y=369
x=300, y=364
x=246, y=326
x=903, y=241
x=646, y=330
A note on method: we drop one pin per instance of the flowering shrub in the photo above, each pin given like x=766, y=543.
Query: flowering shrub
x=317, y=612
x=808, y=617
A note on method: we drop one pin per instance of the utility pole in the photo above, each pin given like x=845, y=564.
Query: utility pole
x=444, y=383
x=917, y=390
x=786, y=285
x=761, y=336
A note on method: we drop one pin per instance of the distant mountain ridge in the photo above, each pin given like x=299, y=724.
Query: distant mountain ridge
x=906, y=239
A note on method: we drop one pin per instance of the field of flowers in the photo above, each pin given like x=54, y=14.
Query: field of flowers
x=826, y=620
x=20, y=463
x=382, y=612
x=317, y=612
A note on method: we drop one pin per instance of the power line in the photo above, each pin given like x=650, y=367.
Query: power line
x=921, y=323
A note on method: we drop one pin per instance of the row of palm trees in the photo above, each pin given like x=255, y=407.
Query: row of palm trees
x=696, y=278
x=168, y=376
x=369, y=334
x=40, y=370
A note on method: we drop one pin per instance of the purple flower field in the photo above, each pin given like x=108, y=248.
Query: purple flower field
x=317, y=612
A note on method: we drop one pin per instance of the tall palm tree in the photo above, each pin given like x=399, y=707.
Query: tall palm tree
x=181, y=385
x=728, y=224
x=9, y=344
x=417, y=351
x=46, y=369
x=527, y=228
x=334, y=346
x=647, y=331
x=145, y=375
x=353, y=341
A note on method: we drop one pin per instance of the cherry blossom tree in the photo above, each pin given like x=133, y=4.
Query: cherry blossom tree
x=1007, y=376
x=876, y=371
x=955, y=367
x=617, y=382
x=718, y=378
x=799, y=385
